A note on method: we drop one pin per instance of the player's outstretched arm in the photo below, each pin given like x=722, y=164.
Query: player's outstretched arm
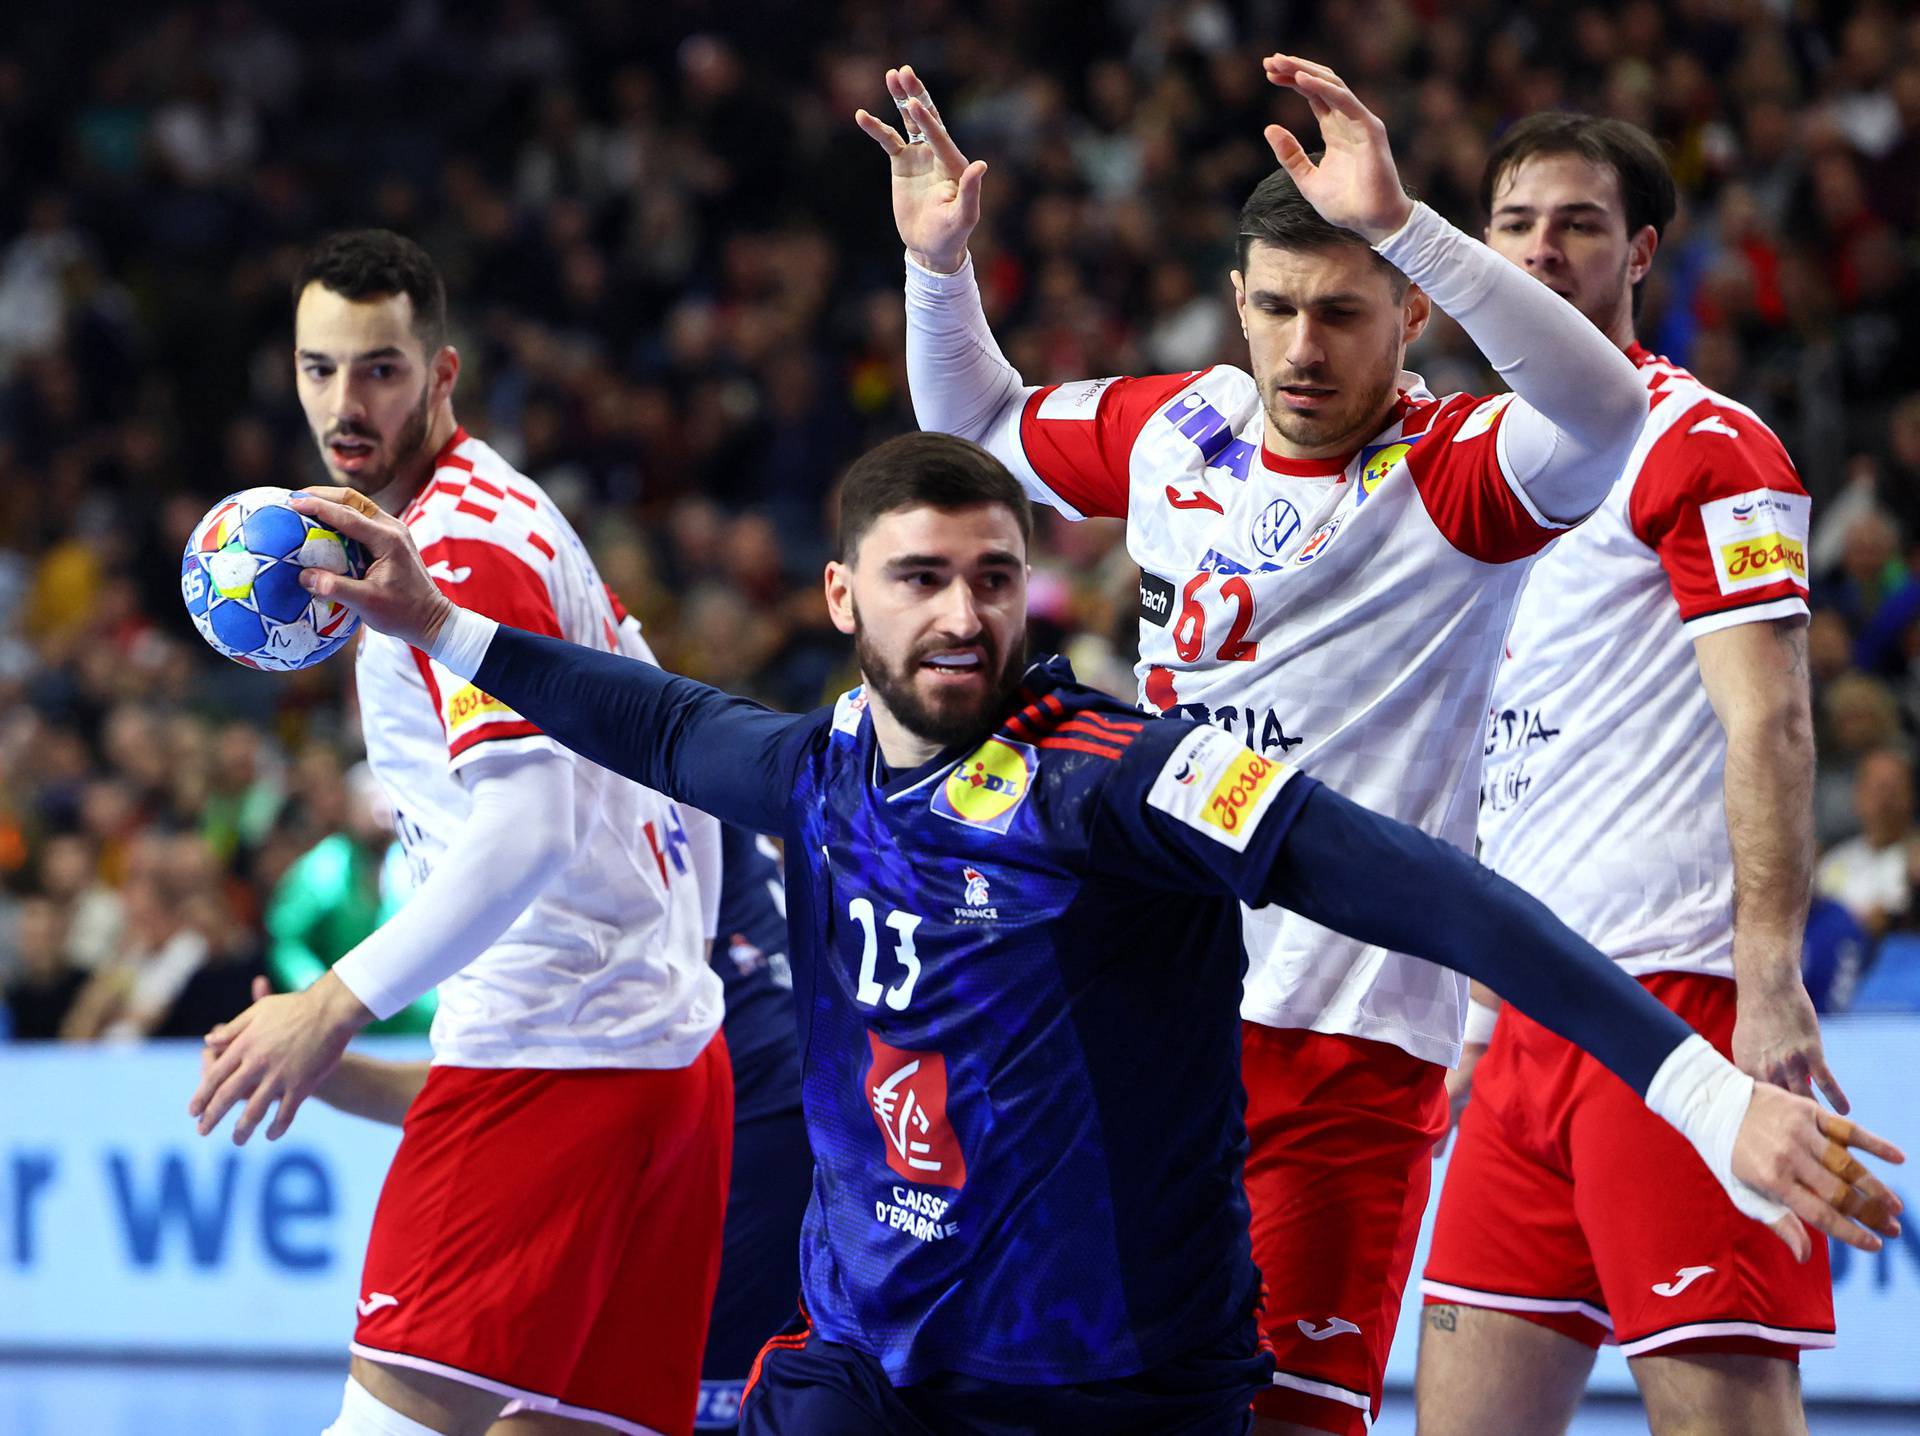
x=725, y=755
x=1773, y=1151
x=1582, y=400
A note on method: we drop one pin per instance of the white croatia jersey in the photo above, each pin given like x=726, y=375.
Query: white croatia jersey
x=607, y=966
x=1603, y=792
x=1345, y=614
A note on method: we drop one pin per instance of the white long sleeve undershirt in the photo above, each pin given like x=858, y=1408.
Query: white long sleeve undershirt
x=1581, y=401
x=518, y=835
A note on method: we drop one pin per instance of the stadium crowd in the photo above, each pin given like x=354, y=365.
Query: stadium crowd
x=676, y=292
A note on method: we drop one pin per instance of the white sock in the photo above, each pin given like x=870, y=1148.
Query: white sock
x=364, y=1414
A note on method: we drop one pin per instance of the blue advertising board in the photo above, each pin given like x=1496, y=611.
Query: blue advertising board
x=121, y=1230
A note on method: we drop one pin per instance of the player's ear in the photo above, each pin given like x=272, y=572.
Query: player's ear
x=839, y=585
x=1418, y=310
x=446, y=372
x=1640, y=250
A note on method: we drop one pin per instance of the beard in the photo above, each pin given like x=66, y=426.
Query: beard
x=1348, y=425
x=947, y=719
x=407, y=447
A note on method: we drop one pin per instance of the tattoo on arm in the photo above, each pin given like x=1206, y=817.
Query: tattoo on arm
x=1443, y=1318
x=1793, y=638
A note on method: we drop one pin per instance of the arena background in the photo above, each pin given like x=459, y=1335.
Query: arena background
x=676, y=291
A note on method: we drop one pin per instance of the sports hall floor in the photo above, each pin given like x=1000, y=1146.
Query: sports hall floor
x=85, y=1398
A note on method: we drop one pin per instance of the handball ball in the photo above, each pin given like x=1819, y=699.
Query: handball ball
x=240, y=577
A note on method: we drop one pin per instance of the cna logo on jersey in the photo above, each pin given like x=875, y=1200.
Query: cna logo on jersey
x=1758, y=539
x=906, y=1092
x=986, y=788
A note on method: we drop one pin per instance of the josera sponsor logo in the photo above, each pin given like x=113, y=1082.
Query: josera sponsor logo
x=1765, y=556
x=1246, y=778
x=467, y=705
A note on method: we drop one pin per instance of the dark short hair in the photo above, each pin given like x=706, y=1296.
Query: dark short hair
x=936, y=471
x=362, y=264
x=1647, y=192
x=1276, y=213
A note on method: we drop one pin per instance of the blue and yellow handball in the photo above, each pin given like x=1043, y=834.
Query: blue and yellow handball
x=240, y=577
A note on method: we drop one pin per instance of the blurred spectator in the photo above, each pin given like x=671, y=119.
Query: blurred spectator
x=1872, y=875
x=676, y=293
x=332, y=897
x=1858, y=716
x=39, y=999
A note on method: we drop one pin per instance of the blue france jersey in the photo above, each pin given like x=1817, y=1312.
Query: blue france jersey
x=1019, y=979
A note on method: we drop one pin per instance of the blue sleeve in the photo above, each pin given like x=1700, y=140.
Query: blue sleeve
x=1384, y=882
x=725, y=755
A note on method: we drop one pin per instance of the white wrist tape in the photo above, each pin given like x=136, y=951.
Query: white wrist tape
x=1480, y=1020
x=462, y=642
x=1705, y=1097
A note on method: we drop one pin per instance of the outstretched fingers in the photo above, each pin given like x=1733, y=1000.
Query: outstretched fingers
x=1289, y=152
x=945, y=150
x=880, y=132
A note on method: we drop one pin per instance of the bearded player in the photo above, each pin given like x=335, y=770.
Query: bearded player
x=1650, y=774
x=1329, y=558
x=549, y=1232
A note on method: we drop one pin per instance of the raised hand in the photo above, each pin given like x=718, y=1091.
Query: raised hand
x=936, y=189
x=1790, y=1150
x=396, y=596
x=1356, y=185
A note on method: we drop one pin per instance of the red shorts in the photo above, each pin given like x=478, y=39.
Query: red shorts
x=1341, y=1133
x=1568, y=1203
x=554, y=1236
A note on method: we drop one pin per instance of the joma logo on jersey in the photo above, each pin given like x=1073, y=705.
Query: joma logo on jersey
x=1769, y=555
x=467, y=705
x=1246, y=778
x=987, y=787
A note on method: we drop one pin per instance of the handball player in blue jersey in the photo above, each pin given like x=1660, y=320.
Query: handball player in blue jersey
x=1016, y=952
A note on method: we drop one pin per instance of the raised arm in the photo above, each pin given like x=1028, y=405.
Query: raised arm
x=725, y=755
x=960, y=381
x=1581, y=401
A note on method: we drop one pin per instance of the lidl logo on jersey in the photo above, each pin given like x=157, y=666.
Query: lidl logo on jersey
x=1757, y=539
x=467, y=707
x=1375, y=465
x=907, y=1094
x=986, y=787
x=1218, y=786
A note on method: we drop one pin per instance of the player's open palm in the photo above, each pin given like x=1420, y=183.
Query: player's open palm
x=1790, y=1150
x=396, y=596
x=1356, y=184
x=936, y=189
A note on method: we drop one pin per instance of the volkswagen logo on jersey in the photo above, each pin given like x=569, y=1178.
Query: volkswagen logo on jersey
x=987, y=786
x=1317, y=545
x=1279, y=521
x=1375, y=466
